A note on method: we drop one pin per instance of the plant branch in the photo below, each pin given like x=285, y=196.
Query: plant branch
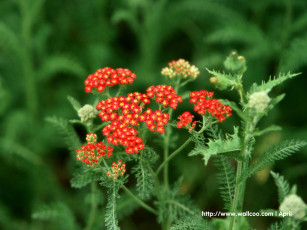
x=140, y=202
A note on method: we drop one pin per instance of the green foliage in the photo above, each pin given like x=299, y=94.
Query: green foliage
x=227, y=180
x=111, y=221
x=275, y=81
x=86, y=175
x=235, y=108
x=282, y=186
x=74, y=102
x=268, y=158
x=223, y=80
x=175, y=206
x=294, y=57
x=58, y=213
x=266, y=130
x=191, y=223
x=69, y=135
x=218, y=146
x=281, y=225
x=60, y=65
x=144, y=174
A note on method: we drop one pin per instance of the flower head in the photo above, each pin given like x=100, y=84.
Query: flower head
x=295, y=205
x=205, y=104
x=108, y=77
x=87, y=113
x=92, y=152
x=184, y=119
x=166, y=95
x=259, y=101
x=118, y=169
x=181, y=69
x=125, y=113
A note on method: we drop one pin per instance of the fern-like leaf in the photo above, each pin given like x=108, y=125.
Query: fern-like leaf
x=191, y=223
x=74, y=102
x=272, y=82
x=282, y=225
x=60, y=64
x=144, y=177
x=227, y=180
x=174, y=206
x=70, y=137
x=282, y=186
x=269, y=157
x=59, y=213
x=218, y=146
x=86, y=175
x=295, y=56
x=111, y=221
x=228, y=79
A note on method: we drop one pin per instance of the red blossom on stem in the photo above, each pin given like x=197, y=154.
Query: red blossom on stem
x=126, y=113
x=166, y=95
x=108, y=77
x=184, y=119
x=204, y=103
x=92, y=152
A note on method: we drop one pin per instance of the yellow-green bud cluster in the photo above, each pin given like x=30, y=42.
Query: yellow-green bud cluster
x=259, y=101
x=180, y=69
x=87, y=113
x=294, y=204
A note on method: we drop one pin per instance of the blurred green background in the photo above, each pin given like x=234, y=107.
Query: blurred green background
x=48, y=48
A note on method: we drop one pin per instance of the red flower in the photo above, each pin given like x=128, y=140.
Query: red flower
x=204, y=103
x=166, y=95
x=108, y=77
x=184, y=119
x=92, y=152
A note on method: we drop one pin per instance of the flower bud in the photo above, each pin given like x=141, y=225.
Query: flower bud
x=180, y=69
x=294, y=204
x=235, y=63
x=259, y=101
x=87, y=113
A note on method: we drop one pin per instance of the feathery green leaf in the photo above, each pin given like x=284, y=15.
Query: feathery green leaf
x=268, y=158
x=282, y=186
x=227, y=179
x=66, y=130
x=57, y=212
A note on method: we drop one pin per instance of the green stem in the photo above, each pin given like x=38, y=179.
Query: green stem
x=238, y=200
x=173, y=154
x=140, y=202
x=93, y=211
x=167, y=222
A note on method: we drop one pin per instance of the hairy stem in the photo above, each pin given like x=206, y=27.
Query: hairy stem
x=237, y=204
x=93, y=211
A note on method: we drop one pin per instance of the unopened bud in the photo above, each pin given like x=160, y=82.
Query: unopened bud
x=87, y=113
x=259, y=101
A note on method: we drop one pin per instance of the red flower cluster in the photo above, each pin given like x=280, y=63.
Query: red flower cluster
x=184, y=119
x=108, y=77
x=155, y=121
x=205, y=103
x=166, y=95
x=93, y=151
x=117, y=170
x=125, y=113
